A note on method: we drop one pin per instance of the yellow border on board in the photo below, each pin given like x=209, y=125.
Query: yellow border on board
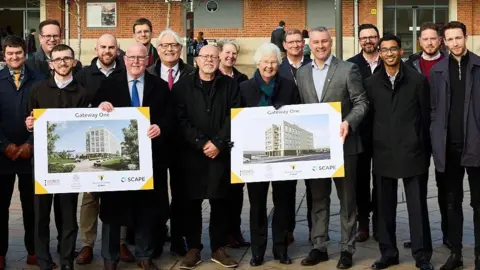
x=149, y=184
x=234, y=179
x=39, y=189
x=337, y=106
x=145, y=111
x=37, y=113
x=234, y=112
x=340, y=172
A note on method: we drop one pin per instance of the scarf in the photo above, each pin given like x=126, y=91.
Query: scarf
x=266, y=89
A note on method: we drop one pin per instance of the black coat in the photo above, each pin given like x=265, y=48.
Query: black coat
x=202, y=118
x=238, y=76
x=285, y=93
x=401, y=120
x=440, y=99
x=91, y=78
x=139, y=206
x=277, y=37
x=39, y=63
x=13, y=104
x=285, y=70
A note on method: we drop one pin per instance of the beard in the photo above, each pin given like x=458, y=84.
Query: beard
x=64, y=72
x=107, y=62
x=208, y=70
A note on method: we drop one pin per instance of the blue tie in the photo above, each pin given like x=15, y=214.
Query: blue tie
x=135, y=97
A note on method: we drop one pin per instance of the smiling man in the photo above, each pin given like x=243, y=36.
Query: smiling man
x=399, y=100
x=142, y=33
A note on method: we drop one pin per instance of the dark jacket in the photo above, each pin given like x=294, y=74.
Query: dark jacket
x=152, y=56
x=91, y=78
x=201, y=118
x=238, y=76
x=39, y=63
x=285, y=93
x=31, y=45
x=133, y=203
x=414, y=61
x=183, y=67
x=13, y=104
x=440, y=100
x=285, y=69
x=401, y=119
x=277, y=38
x=366, y=127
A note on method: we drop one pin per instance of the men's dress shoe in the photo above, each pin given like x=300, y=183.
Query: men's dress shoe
x=283, y=258
x=32, y=260
x=3, y=262
x=425, y=266
x=67, y=267
x=315, y=257
x=384, y=263
x=157, y=252
x=407, y=244
x=125, y=254
x=256, y=260
x=447, y=244
x=477, y=262
x=147, y=264
x=241, y=241
x=290, y=238
x=178, y=247
x=454, y=262
x=109, y=265
x=346, y=260
x=362, y=235
x=237, y=241
x=85, y=256
x=221, y=257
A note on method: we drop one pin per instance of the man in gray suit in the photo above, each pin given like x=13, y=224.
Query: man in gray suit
x=329, y=79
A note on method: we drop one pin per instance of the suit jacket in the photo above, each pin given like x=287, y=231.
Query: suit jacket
x=343, y=84
x=156, y=96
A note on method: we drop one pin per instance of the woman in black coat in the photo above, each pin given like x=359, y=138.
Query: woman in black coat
x=267, y=88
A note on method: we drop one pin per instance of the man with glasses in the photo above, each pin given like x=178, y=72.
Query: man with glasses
x=203, y=100
x=170, y=67
x=138, y=210
x=142, y=33
x=400, y=102
x=58, y=91
x=368, y=62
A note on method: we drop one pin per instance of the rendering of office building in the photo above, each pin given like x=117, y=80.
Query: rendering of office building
x=99, y=140
x=288, y=139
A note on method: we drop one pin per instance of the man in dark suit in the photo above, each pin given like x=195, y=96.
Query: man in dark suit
x=329, y=79
x=136, y=88
x=278, y=36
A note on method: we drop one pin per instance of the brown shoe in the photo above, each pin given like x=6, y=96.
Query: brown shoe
x=290, y=238
x=85, y=256
x=191, y=260
x=147, y=264
x=32, y=260
x=362, y=235
x=109, y=265
x=221, y=257
x=125, y=254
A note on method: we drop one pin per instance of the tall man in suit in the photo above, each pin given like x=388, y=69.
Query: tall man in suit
x=329, y=79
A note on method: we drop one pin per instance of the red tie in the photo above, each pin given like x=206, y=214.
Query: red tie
x=170, y=78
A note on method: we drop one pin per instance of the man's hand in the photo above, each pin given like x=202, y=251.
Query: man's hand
x=29, y=122
x=153, y=131
x=26, y=151
x=13, y=152
x=210, y=150
x=344, y=130
x=106, y=106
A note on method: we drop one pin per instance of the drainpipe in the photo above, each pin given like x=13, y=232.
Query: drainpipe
x=355, y=27
x=67, y=22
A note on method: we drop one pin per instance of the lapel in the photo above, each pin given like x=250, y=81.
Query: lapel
x=311, y=84
x=148, y=88
x=328, y=79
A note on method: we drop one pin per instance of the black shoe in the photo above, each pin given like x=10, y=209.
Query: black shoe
x=315, y=257
x=477, y=262
x=425, y=266
x=256, y=260
x=454, y=262
x=345, y=261
x=157, y=252
x=67, y=267
x=385, y=263
x=447, y=244
x=178, y=246
x=407, y=244
x=283, y=258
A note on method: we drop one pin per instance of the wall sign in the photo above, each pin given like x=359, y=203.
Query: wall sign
x=102, y=14
x=212, y=6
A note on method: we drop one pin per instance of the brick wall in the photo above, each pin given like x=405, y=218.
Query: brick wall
x=465, y=13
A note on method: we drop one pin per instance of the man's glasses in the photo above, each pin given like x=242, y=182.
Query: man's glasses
x=174, y=46
x=392, y=50
x=369, y=38
x=208, y=57
x=66, y=59
x=50, y=36
x=137, y=58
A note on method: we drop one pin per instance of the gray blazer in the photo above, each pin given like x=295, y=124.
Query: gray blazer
x=343, y=84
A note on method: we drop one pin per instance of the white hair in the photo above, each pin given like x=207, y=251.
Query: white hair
x=169, y=31
x=267, y=49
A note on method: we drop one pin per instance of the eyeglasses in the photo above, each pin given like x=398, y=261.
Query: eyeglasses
x=273, y=64
x=174, y=46
x=369, y=38
x=137, y=58
x=295, y=41
x=208, y=57
x=66, y=59
x=50, y=36
x=392, y=50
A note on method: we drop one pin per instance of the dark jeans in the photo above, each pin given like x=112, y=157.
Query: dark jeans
x=25, y=186
x=177, y=206
x=283, y=197
x=144, y=242
x=235, y=200
x=218, y=227
x=366, y=200
x=454, y=174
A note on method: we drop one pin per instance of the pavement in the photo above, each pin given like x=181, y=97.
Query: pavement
x=366, y=253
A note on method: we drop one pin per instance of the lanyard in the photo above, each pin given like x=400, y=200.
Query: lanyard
x=293, y=74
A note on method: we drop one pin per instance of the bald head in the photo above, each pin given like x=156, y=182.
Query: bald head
x=136, y=60
x=137, y=48
x=106, y=50
x=107, y=39
x=209, y=50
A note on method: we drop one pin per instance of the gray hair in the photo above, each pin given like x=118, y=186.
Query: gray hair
x=322, y=29
x=169, y=31
x=267, y=49
x=225, y=41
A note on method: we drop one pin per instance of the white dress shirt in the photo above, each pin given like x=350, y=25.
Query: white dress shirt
x=62, y=85
x=106, y=72
x=164, y=73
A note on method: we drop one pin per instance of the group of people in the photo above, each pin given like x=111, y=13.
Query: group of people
x=395, y=114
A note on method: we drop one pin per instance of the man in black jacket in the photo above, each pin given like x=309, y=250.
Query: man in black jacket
x=400, y=103
x=58, y=91
x=278, y=36
x=368, y=61
x=204, y=99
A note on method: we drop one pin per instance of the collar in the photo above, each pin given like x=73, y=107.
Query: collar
x=141, y=79
x=436, y=57
x=175, y=68
x=375, y=61
x=101, y=68
x=293, y=65
x=22, y=71
x=327, y=63
x=62, y=85
x=392, y=77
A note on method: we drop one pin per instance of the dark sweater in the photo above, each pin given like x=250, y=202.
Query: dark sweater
x=455, y=133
